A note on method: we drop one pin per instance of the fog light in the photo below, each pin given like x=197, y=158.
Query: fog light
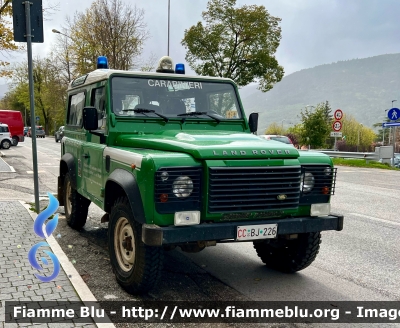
x=325, y=190
x=164, y=198
x=320, y=209
x=187, y=218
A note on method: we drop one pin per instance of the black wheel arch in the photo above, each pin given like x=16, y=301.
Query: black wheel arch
x=122, y=182
x=67, y=165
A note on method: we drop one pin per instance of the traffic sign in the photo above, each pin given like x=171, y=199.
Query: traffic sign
x=336, y=134
x=388, y=125
x=36, y=20
x=394, y=114
x=337, y=126
x=338, y=114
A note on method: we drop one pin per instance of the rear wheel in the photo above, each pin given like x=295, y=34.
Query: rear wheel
x=6, y=144
x=137, y=266
x=15, y=141
x=75, y=205
x=289, y=255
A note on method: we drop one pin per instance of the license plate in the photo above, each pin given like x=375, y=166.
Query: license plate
x=262, y=231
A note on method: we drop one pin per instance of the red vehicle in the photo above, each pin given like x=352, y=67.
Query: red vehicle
x=13, y=119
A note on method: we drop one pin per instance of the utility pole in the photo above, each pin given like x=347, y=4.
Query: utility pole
x=168, y=24
x=28, y=27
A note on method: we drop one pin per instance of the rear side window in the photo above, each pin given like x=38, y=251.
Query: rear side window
x=75, y=109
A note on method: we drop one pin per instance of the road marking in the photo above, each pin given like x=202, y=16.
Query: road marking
x=375, y=219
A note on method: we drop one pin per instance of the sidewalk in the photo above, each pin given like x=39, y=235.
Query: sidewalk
x=17, y=280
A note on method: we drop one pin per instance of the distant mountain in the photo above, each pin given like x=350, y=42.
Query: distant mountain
x=363, y=88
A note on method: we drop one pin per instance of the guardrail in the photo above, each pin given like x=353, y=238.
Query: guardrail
x=349, y=154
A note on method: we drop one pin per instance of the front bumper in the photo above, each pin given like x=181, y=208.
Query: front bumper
x=154, y=235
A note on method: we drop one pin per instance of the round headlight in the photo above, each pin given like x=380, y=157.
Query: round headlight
x=307, y=182
x=182, y=187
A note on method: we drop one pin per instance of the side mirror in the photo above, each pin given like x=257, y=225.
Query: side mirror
x=253, y=122
x=90, y=121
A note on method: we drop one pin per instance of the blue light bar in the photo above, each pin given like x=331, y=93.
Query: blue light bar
x=179, y=69
x=102, y=62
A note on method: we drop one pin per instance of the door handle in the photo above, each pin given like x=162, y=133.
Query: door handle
x=86, y=156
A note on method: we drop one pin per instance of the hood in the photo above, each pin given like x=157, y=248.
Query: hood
x=211, y=145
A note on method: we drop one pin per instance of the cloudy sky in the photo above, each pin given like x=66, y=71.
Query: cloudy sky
x=314, y=32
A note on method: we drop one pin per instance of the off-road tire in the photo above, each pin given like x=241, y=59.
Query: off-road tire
x=287, y=255
x=143, y=272
x=15, y=141
x=75, y=205
x=5, y=144
x=56, y=139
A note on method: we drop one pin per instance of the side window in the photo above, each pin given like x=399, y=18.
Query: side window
x=98, y=100
x=75, y=110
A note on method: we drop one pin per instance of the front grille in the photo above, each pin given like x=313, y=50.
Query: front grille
x=246, y=189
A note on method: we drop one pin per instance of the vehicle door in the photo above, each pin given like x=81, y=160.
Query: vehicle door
x=76, y=134
x=93, y=147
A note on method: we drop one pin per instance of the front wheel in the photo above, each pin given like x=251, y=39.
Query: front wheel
x=289, y=255
x=6, y=144
x=137, y=267
x=75, y=205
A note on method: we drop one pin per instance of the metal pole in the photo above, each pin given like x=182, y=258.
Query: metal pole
x=32, y=103
x=168, y=25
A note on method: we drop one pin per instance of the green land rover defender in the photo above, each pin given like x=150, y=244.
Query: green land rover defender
x=173, y=161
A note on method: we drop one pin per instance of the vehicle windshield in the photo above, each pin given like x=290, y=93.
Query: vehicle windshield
x=172, y=98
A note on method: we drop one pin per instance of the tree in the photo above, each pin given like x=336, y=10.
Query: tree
x=357, y=134
x=237, y=43
x=108, y=28
x=6, y=35
x=316, y=129
x=274, y=128
x=49, y=91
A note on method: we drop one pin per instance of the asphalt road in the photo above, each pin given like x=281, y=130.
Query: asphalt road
x=360, y=263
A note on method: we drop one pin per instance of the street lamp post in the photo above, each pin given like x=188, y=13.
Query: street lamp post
x=168, y=25
x=282, y=124
x=66, y=50
x=359, y=130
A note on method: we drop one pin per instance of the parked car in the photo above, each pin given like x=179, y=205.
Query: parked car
x=13, y=118
x=396, y=160
x=5, y=136
x=59, y=134
x=276, y=137
x=26, y=128
x=39, y=132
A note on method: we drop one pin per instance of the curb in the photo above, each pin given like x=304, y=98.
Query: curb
x=77, y=282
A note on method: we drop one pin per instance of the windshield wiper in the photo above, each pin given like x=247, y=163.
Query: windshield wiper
x=144, y=111
x=200, y=113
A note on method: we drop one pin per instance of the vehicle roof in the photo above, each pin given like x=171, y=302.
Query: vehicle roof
x=103, y=74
